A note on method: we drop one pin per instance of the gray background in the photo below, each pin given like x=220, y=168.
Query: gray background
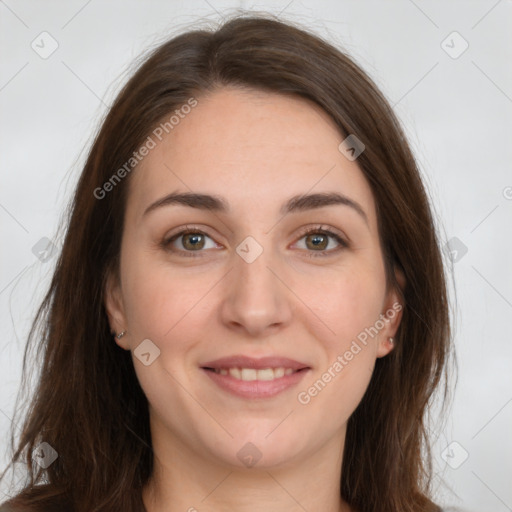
x=456, y=109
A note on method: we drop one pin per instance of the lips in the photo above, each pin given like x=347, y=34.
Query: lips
x=255, y=378
x=263, y=363
x=250, y=374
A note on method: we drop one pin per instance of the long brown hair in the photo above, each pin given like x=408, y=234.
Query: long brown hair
x=89, y=405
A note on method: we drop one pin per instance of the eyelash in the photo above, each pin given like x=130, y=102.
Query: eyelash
x=313, y=254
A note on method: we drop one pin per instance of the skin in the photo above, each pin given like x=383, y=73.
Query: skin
x=257, y=150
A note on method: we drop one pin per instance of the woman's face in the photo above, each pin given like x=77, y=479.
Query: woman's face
x=252, y=283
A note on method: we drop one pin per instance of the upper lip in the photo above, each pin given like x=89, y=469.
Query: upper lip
x=240, y=361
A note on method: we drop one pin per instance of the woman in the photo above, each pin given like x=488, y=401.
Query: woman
x=249, y=311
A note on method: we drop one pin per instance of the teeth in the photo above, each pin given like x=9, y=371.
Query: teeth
x=235, y=372
x=249, y=374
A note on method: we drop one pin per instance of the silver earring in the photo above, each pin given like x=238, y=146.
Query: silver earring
x=391, y=340
x=120, y=335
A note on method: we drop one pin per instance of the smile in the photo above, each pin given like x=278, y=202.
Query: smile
x=250, y=374
x=249, y=383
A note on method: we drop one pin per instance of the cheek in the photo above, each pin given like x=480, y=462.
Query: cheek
x=330, y=397
x=347, y=301
x=157, y=296
x=161, y=299
x=335, y=389
x=350, y=306
x=333, y=399
x=163, y=307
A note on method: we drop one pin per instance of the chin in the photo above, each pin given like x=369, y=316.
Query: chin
x=259, y=449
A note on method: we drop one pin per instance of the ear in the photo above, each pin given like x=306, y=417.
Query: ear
x=114, y=307
x=392, y=314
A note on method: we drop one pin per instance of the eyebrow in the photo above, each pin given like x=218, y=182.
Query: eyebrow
x=295, y=204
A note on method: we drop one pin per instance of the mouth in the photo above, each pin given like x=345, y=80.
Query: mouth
x=255, y=378
x=252, y=374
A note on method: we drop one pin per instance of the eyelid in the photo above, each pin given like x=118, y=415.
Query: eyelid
x=181, y=231
x=342, y=239
x=323, y=228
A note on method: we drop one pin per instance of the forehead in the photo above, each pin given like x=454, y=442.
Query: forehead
x=257, y=149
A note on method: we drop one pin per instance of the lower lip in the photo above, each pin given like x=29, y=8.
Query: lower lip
x=256, y=388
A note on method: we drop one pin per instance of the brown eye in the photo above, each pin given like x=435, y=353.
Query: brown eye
x=317, y=241
x=187, y=242
x=193, y=241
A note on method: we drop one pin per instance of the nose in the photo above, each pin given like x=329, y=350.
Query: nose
x=256, y=299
